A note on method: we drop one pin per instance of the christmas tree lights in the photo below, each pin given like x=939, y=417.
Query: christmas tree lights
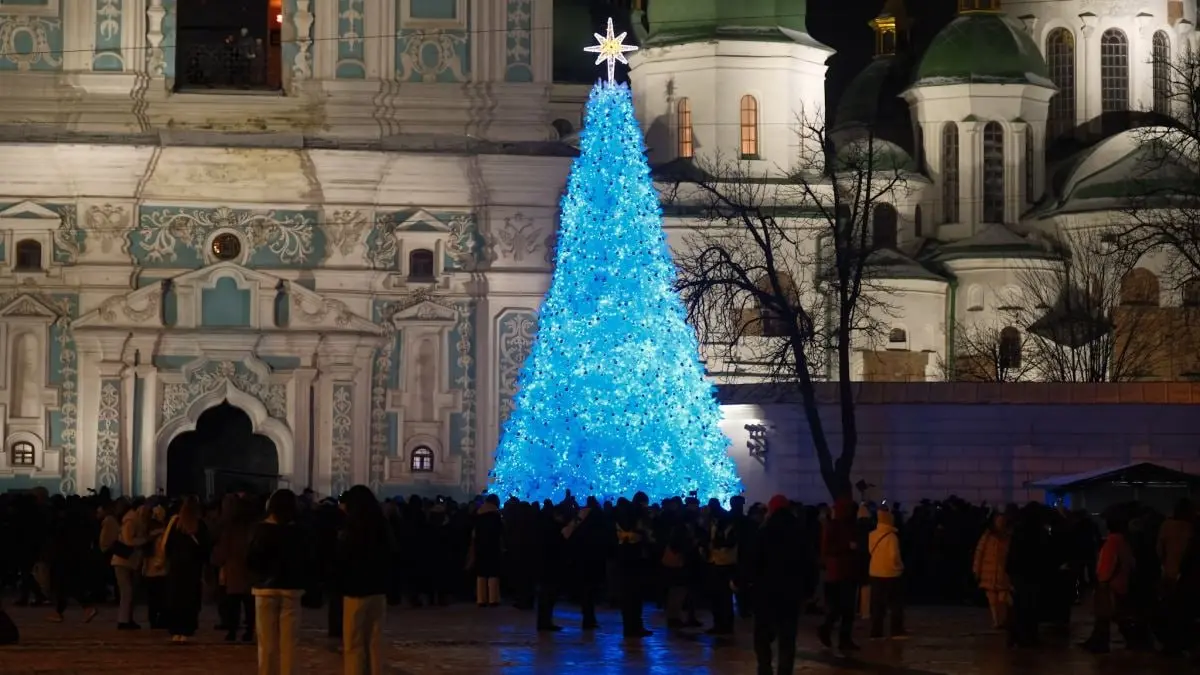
x=612, y=399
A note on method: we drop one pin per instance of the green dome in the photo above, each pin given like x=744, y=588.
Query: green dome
x=676, y=21
x=983, y=47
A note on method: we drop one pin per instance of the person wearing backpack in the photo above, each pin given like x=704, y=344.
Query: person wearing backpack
x=886, y=577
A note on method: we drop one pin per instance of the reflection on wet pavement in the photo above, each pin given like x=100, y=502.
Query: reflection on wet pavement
x=463, y=640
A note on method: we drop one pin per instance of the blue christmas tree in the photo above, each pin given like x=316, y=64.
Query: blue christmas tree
x=612, y=399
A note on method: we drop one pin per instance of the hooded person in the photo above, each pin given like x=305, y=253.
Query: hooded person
x=840, y=557
x=777, y=575
x=886, y=571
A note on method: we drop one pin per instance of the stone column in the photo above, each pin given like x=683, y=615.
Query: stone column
x=129, y=406
x=1087, y=70
x=303, y=380
x=336, y=467
x=109, y=448
x=147, y=421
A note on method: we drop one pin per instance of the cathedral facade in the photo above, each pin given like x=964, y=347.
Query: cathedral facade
x=331, y=216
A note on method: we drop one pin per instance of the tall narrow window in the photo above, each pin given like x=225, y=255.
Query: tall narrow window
x=993, y=173
x=749, y=127
x=1060, y=57
x=683, y=119
x=420, y=264
x=917, y=222
x=1114, y=71
x=1010, y=349
x=884, y=221
x=29, y=256
x=1030, y=193
x=950, y=173
x=1162, y=73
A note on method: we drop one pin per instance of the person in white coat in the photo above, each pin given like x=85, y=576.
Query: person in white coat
x=887, y=574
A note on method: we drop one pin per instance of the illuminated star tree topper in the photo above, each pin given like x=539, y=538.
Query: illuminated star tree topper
x=611, y=50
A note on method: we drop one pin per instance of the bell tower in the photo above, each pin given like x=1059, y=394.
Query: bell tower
x=729, y=78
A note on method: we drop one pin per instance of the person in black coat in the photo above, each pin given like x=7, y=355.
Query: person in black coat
x=71, y=543
x=279, y=559
x=1030, y=571
x=777, y=574
x=366, y=552
x=551, y=551
x=186, y=549
x=487, y=552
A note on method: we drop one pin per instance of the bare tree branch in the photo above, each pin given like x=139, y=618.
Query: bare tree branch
x=776, y=274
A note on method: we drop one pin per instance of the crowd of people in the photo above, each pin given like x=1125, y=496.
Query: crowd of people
x=265, y=559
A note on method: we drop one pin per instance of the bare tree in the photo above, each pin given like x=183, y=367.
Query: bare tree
x=1092, y=319
x=989, y=351
x=1162, y=213
x=778, y=274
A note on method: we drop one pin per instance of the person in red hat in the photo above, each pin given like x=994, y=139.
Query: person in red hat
x=840, y=556
x=777, y=576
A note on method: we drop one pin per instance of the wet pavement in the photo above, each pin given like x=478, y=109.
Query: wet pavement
x=463, y=640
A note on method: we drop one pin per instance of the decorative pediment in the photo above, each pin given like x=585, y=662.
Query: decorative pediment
x=259, y=293
x=29, y=210
x=27, y=306
x=313, y=310
x=426, y=311
x=137, y=309
x=422, y=221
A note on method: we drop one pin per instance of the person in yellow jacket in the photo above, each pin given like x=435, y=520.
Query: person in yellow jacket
x=887, y=573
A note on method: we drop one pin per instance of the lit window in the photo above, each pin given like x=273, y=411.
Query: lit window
x=1060, y=58
x=420, y=264
x=687, y=147
x=950, y=173
x=22, y=454
x=749, y=127
x=422, y=460
x=1114, y=71
x=1162, y=73
x=993, y=173
x=29, y=256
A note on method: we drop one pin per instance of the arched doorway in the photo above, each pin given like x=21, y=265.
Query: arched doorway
x=222, y=455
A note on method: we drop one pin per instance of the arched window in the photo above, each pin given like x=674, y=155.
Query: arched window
x=773, y=323
x=22, y=454
x=563, y=128
x=993, y=173
x=749, y=127
x=1030, y=193
x=420, y=264
x=1060, y=60
x=897, y=338
x=884, y=220
x=1161, y=63
x=1114, y=71
x=422, y=460
x=975, y=298
x=950, y=173
x=917, y=222
x=1009, y=348
x=1191, y=292
x=29, y=256
x=683, y=118
x=1140, y=287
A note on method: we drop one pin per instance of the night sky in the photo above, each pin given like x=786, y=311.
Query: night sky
x=841, y=24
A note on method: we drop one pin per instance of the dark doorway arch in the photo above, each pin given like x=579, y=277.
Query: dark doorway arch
x=224, y=446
